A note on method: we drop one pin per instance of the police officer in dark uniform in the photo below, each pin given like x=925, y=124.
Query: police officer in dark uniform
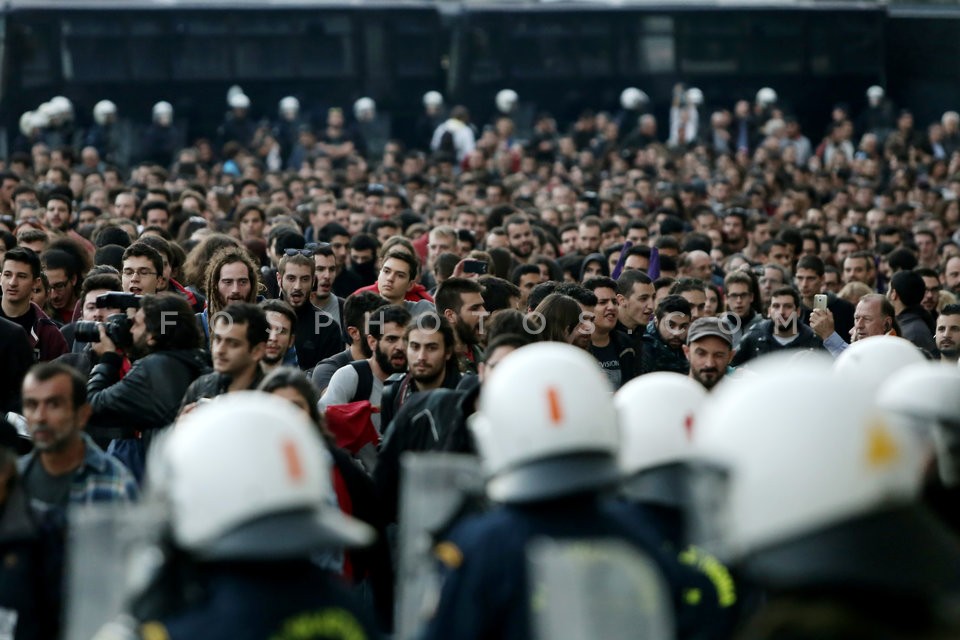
x=658, y=425
x=548, y=436
x=820, y=509
x=247, y=486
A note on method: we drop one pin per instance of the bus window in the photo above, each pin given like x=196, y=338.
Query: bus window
x=650, y=48
x=203, y=49
x=95, y=48
x=35, y=44
x=776, y=44
x=267, y=46
x=327, y=48
x=711, y=43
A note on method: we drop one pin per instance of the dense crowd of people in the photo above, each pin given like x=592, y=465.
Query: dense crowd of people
x=487, y=295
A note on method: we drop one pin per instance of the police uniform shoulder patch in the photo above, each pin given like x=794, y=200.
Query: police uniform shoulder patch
x=153, y=631
x=449, y=554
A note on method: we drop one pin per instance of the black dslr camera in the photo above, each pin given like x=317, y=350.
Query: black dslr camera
x=117, y=325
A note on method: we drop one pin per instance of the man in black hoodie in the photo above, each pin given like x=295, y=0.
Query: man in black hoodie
x=165, y=350
x=916, y=325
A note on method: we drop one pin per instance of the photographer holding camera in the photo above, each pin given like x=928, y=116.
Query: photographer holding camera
x=162, y=339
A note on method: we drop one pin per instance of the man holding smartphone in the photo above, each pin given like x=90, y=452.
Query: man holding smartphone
x=809, y=280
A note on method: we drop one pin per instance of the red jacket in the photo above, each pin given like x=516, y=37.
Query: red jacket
x=417, y=293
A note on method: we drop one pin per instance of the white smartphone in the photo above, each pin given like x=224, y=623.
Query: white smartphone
x=820, y=301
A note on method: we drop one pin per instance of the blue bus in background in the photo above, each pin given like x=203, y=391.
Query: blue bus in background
x=559, y=56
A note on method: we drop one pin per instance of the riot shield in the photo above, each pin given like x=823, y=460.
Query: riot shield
x=111, y=553
x=434, y=490
x=596, y=589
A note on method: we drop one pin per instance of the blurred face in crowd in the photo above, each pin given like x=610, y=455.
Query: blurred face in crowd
x=857, y=270
x=279, y=338
x=139, y=276
x=733, y=228
x=709, y=358
x=90, y=312
x=637, y=308
x=739, y=299
x=52, y=419
x=607, y=309
x=673, y=329
x=394, y=279
x=783, y=312
x=951, y=275
x=808, y=283
x=389, y=350
x=947, y=336
x=589, y=239
x=698, y=302
x=251, y=225
x=868, y=320
x=230, y=348
x=125, y=205
x=61, y=293
x=234, y=284
x=770, y=280
x=581, y=334
x=932, y=295
x=520, y=238
x=427, y=355
x=568, y=242
x=296, y=282
x=326, y=273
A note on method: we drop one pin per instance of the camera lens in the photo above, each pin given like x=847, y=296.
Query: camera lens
x=87, y=332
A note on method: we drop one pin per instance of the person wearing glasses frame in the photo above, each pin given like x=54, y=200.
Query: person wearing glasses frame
x=142, y=266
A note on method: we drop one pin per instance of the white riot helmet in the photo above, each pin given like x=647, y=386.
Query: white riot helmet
x=546, y=426
x=869, y=362
x=39, y=120
x=432, y=100
x=657, y=416
x=506, y=100
x=796, y=470
x=632, y=98
x=694, y=96
x=926, y=398
x=766, y=97
x=234, y=90
x=103, y=111
x=364, y=109
x=238, y=100
x=49, y=111
x=26, y=123
x=289, y=108
x=249, y=478
x=63, y=106
x=163, y=113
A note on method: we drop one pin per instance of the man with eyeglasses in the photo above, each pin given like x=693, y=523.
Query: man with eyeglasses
x=63, y=274
x=318, y=334
x=142, y=267
x=931, y=298
x=738, y=286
